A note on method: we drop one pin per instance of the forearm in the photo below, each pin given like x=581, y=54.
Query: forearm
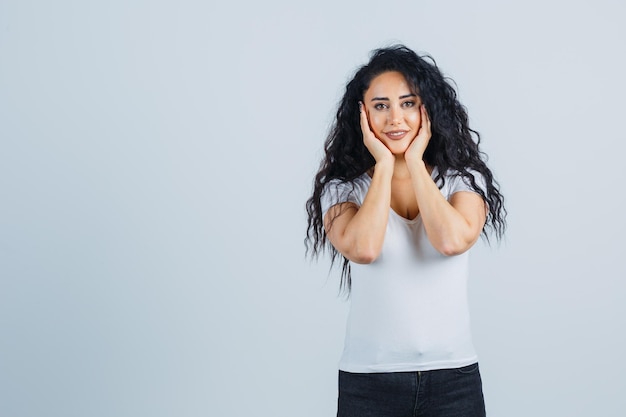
x=448, y=230
x=364, y=234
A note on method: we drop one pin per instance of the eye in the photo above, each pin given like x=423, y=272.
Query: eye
x=380, y=106
x=408, y=104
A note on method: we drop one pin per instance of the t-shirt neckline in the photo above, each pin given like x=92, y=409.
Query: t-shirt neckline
x=414, y=220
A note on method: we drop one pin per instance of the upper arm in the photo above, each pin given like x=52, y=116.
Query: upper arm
x=473, y=209
x=336, y=220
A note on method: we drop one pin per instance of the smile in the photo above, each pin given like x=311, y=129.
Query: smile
x=396, y=135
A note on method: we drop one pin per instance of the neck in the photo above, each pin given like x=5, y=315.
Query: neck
x=401, y=169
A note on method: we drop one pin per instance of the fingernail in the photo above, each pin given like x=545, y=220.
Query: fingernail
x=360, y=106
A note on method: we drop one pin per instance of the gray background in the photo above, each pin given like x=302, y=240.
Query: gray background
x=155, y=160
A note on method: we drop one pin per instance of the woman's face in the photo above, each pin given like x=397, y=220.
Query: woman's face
x=393, y=111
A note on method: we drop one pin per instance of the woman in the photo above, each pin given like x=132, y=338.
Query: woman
x=402, y=194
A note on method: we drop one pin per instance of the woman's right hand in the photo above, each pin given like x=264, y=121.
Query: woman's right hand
x=377, y=148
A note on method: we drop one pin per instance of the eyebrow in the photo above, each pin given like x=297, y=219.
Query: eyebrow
x=387, y=99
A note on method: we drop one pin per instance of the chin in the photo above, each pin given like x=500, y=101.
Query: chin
x=398, y=148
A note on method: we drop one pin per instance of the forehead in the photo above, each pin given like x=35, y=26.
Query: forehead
x=391, y=82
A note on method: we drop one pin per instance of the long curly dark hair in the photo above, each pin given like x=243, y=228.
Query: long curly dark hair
x=453, y=144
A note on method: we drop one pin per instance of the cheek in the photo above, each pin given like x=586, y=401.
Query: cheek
x=378, y=121
x=415, y=117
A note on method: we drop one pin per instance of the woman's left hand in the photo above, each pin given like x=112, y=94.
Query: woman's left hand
x=416, y=149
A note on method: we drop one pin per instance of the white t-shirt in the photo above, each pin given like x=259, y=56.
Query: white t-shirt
x=408, y=308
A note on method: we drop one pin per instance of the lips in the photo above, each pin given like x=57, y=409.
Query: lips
x=396, y=134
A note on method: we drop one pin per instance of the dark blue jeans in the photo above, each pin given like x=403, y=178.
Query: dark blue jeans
x=439, y=393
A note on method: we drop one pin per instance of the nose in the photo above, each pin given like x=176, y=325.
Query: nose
x=395, y=115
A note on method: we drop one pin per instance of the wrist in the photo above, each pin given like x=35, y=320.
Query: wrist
x=414, y=157
x=385, y=166
x=416, y=164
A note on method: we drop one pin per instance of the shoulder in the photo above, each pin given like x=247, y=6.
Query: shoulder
x=454, y=180
x=340, y=191
x=361, y=182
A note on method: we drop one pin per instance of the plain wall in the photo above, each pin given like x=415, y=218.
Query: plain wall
x=155, y=158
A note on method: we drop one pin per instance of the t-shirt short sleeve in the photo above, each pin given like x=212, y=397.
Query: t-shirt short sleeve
x=336, y=192
x=459, y=183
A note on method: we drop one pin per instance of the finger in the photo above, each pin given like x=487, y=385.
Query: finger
x=365, y=126
x=425, y=119
x=425, y=115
